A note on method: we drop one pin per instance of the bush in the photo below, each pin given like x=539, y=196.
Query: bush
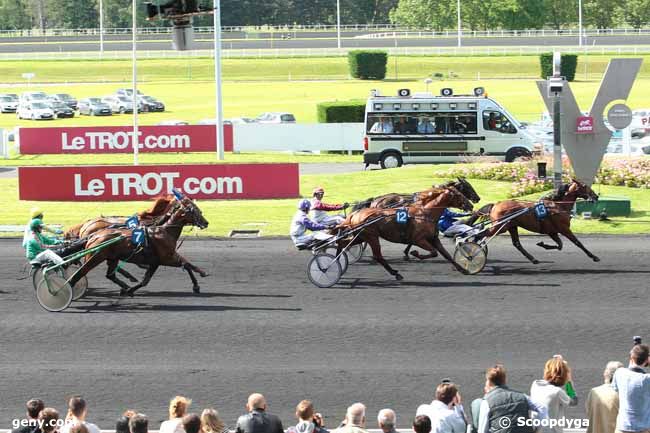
x=567, y=69
x=341, y=111
x=368, y=65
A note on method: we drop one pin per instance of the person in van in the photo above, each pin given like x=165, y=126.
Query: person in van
x=403, y=126
x=460, y=127
x=383, y=126
x=425, y=126
x=492, y=122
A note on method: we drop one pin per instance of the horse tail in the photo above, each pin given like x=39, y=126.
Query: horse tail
x=362, y=204
x=482, y=212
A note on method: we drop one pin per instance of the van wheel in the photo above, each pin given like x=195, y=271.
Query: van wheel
x=391, y=160
x=516, y=153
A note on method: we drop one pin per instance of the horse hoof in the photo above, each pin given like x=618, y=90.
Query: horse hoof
x=133, y=280
x=407, y=258
x=203, y=274
x=398, y=277
x=535, y=262
x=596, y=259
x=196, y=289
x=123, y=292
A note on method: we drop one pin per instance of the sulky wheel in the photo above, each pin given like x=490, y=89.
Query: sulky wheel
x=37, y=275
x=344, y=260
x=324, y=270
x=54, y=293
x=471, y=257
x=355, y=252
x=79, y=289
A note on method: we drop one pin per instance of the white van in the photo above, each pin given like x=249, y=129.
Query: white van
x=423, y=128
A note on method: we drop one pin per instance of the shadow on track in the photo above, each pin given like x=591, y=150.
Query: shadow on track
x=359, y=283
x=497, y=270
x=82, y=307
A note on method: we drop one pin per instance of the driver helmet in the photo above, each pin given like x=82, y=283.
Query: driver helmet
x=36, y=212
x=318, y=190
x=36, y=224
x=304, y=205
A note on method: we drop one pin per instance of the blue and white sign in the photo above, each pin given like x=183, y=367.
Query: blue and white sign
x=540, y=211
x=137, y=236
x=402, y=216
x=132, y=222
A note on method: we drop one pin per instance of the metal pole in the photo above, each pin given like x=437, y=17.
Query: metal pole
x=338, y=23
x=557, y=144
x=101, y=28
x=134, y=58
x=580, y=22
x=459, y=24
x=217, y=78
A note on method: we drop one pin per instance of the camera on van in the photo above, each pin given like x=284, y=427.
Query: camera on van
x=555, y=86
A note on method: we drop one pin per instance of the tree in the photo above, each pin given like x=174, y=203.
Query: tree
x=14, y=15
x=601, y=14
x=73, y=14
x=558, y=14
x=425, y=14
x=637, y=13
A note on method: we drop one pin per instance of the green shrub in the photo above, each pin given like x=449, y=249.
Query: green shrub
x=567, y=68
x=352, y=111
x=368, y=65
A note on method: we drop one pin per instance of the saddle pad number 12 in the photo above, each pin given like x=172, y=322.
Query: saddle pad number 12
x=540, y=211
x=137, y=237
x=402, y=216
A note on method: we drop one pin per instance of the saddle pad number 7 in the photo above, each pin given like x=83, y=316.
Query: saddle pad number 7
x=137, y=237
x=402, y=216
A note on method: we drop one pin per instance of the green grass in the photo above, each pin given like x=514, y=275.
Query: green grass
x=273, y=216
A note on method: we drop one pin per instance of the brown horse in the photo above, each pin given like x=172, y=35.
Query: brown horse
x=558, y=221
x=159, y=208
x=159, y=249
x=421, y=229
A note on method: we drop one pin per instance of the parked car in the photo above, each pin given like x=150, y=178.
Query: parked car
x=127, y=92
x=151, y=104
x=13, y=96
x=35, y=111
x=276, y=118
x=33, y=97
x=61, y=110
x=172, y=122
x=64, y=98
x=94, y=107
x=213, y=122
x=119, y=104
x=8, y=105
x=242, y=120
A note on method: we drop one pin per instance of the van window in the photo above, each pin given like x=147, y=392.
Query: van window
x=497, y=121
x=287, y=118
x=422, y=123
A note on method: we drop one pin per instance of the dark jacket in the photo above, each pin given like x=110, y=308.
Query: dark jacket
x=507, y=404
x=258, y=421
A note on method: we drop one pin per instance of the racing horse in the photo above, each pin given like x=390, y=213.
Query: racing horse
x=557, y=222
x=421, y=228
x=394, y=200
x=159, y=249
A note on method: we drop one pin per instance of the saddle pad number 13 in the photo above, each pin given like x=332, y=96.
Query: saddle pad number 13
x=540, y=211
x=402, y=216
x=137, y=237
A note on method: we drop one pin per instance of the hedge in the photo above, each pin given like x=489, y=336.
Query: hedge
x=567, y=68
x=352, y=111
x=368, y=65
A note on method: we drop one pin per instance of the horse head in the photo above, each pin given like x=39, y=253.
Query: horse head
x=581, y=190
x=445, y=197
x=188, y=213
x=467, y=190
x=459, y=200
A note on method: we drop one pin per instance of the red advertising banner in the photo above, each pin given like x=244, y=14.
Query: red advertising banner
x=122, y=183
x=119, y=139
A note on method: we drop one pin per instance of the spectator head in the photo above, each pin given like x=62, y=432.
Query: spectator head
x=639, y=355
x=34, y=407
x=495, y=376
x=178, y=406
x=446, y=392
x=138, y=423
x=610, y=369
x=122, y=424
x=192, y=423
x=79, y=428
x=356, y=414
x=77, y=408
x=386, y=419
x=211, y=421
x=256, y=402
x=422, y=424
x=556, y=371
x=49, y=417
x=305, y=410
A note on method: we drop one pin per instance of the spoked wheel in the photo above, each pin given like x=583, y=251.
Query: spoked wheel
x=471, y=257
x=324, y=270
x=344, y=260
x=37, y=276
x=355, y=252
x=79, y=289
x=53, y=293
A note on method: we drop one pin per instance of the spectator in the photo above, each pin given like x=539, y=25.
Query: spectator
x=445, y=411
x=308, y=421
x=501, y=403
x=422, y=424
x=257, y=420
x=79, y=428
x=34, y=407
x=633, y=387
x=177, y=410
x=122, y=423
x=211, y=422
x=386, y=419
x=602, y=403
x=383, y=126
x=550, y=392
x=192, y=423
x=48, y=420
x=77, y=411
x=355, y=420
x=138, y=423
x=425, y=126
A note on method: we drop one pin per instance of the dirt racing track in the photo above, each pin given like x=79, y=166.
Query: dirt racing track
x=259, y=325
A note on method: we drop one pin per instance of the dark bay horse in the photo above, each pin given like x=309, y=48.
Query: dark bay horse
x=421, y=229
x=160, y=249
x=558, y=221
